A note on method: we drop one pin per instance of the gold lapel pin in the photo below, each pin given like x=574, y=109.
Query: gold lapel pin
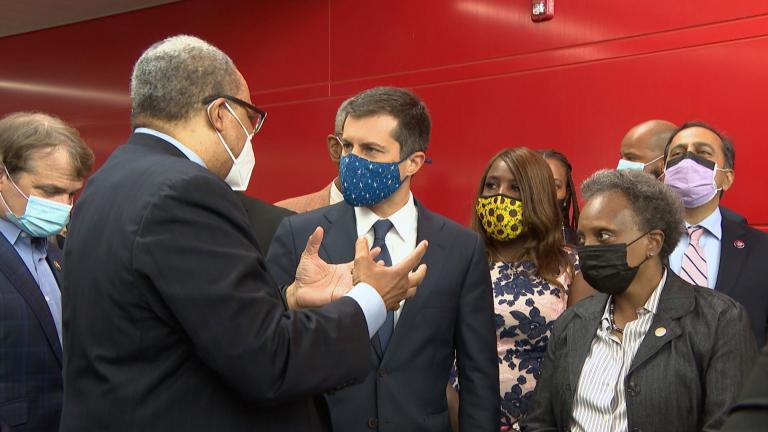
x=57, y=265
x=661, y=331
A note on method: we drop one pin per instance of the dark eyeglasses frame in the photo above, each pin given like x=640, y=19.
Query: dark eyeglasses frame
x=262, y=114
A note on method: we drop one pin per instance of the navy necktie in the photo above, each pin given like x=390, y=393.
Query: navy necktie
x=380, y=230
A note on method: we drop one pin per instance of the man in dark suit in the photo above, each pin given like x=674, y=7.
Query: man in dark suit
x=750, y=413
x=264, y=218
x=716, y=252
x=171, y=321
x=43, y=162
x=385, y=137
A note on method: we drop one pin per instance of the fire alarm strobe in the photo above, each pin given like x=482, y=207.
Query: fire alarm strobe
x=542, y=10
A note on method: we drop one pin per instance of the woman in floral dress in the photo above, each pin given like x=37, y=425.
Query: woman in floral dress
x=532, y=271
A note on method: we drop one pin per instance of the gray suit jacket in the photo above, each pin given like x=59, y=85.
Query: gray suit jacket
x=682, y=381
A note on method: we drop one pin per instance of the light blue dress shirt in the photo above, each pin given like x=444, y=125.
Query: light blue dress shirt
x=710, y=242
x=366, y=296
x=34, y=256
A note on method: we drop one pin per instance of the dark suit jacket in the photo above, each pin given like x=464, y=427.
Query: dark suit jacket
x=30, y=351
x=750, y=414
x=682, y=381
x=452, y=310
x=732, y=216
x=264, y=219
x=743, y=272
x=171, y=321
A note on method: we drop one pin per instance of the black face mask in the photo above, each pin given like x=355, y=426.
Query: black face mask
x=605, y=267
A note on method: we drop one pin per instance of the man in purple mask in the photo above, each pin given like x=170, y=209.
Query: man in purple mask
x=715, y=251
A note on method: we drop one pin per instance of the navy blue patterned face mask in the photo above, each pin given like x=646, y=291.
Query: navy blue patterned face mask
x=365, y=183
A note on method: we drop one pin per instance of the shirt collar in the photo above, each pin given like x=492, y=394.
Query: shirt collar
x=651, y=305
x=403, y=220
x=336, y=195
x=9, y=230
x=712, y=223
x=174, y=142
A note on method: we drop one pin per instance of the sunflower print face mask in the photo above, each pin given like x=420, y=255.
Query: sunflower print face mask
x=501, y=216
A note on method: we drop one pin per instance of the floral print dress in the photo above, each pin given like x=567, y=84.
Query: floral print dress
x=526, y=307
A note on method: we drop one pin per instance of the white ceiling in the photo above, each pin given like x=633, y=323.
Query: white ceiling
x=20, y=16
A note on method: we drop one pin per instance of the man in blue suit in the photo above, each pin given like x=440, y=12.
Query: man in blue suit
x=43, y=162
x=384, y=140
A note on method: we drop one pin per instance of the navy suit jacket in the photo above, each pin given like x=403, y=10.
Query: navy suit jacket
x=30, y=351
x=171, y=321
x=452, y=312
x=743, y=272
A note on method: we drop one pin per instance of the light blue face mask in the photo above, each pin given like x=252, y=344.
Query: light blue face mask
x=41, y=218
x=631, y=165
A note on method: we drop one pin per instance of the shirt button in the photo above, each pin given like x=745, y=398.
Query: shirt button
x=372, y=423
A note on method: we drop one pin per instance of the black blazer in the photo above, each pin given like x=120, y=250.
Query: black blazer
x=171, y=321
x=743, y=272
x=452, y=311
x=264, y=218
x=750, y=414
x=682, y=381
x=30, y=351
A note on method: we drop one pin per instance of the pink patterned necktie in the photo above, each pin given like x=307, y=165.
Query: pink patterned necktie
x=694, y=268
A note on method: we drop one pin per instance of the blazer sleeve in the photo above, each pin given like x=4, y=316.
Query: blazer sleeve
x=475, y=341
x=194, y=249
x=282, y=258
x=732, y=356
x=542, y=414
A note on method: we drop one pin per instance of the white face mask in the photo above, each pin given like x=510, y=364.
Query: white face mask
x=242, y=166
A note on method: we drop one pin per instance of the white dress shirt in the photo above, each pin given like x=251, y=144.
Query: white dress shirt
x=710, y=241
x=401, y=239
x=336, y=195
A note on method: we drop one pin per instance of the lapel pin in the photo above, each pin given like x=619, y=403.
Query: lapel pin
x=739, y=244
x=661, y=331
x=57, y=265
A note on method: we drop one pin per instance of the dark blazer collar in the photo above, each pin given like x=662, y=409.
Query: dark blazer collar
x=155, y=144
x=731, y=257
x=13, y=267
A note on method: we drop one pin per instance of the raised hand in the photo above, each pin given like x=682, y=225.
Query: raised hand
x=317, y=282
x=393, y=283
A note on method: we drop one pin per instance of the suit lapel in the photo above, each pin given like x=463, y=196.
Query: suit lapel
x=580, y=337
x=428, y=228
x=731, y=257
x=54, y=259
x=676, y=300
x=13, y=267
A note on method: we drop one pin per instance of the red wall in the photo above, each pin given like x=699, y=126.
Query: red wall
x=490, y=76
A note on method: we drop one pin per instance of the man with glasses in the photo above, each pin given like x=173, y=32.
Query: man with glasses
x=171, y=322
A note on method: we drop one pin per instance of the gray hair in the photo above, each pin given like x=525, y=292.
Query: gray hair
x=654, y=205
x=341, y=117
x=172, y=77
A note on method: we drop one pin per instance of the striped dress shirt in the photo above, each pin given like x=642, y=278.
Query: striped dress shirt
x=600, y=403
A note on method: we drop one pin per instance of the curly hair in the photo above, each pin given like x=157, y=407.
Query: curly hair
x=654, y=205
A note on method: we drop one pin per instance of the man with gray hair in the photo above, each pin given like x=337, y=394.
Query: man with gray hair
x=171, y=321
x=330, y=194
x=43, y=162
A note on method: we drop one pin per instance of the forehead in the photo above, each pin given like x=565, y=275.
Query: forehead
x=376, y=128
x=697, y=135
x=608, y=209
x=54, y=163
x=499, y=169
x=558, y=170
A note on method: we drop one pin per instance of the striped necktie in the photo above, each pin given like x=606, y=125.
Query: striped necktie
x=694, y=268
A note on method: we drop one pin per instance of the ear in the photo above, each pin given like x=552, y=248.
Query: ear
x=727, y=178
x=216, y=114
x=655, y=242
x=334, y=148
x=413, y=164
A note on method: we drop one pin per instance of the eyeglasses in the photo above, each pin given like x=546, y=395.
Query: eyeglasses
x=255, y=114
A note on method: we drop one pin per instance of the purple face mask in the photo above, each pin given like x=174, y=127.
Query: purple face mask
x=693, y=179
